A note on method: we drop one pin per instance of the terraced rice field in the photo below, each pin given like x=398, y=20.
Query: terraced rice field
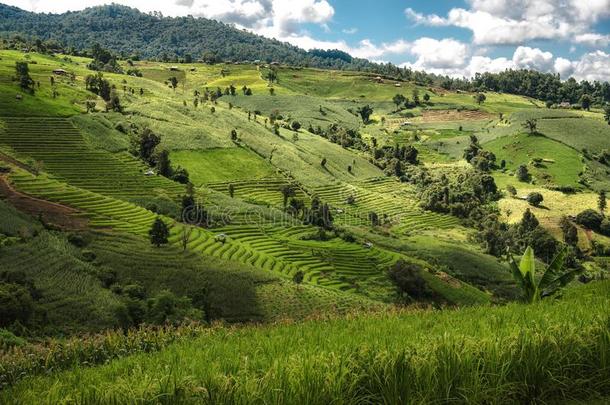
x=63, y=152
x=277, y=249
x=386, y=197
x=97, y=183
x=266, y=191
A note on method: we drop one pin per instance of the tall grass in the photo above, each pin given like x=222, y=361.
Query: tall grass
x=551, y=351
x=59, y=354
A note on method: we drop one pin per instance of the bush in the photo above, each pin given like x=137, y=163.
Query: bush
x=410, y=285
x=535, y=199
x=9, y=340
x=165, y=307
x=590, y=219
x=77, y=240
x=16, y=304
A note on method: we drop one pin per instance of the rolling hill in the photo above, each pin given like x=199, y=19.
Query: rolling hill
x=313, y=196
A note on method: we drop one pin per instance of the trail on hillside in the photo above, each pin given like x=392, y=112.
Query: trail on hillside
x=53, y=213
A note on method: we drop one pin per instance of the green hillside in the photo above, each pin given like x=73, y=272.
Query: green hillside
x=175, y=213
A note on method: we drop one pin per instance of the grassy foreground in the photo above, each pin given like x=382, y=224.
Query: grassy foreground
x=551, y=351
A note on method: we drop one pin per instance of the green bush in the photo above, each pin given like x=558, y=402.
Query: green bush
x=590, y=219
x=8, y=340
x=16, y=304
x=535, y=199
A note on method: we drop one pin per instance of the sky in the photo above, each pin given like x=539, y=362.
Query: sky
x=456, y=38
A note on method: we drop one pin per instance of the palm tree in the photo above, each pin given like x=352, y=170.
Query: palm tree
x=553, y=279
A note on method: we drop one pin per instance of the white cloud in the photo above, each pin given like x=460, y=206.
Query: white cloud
x=495, y=22
x=350, y=31
x=591, y=66
x=532, y=58
x=445, y=53
x=564, y=67
x=593, y=39
x=419, y=18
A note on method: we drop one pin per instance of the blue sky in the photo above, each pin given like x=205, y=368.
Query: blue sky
x=457, y=38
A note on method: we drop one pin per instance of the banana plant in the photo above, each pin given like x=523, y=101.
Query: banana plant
x=553, y=279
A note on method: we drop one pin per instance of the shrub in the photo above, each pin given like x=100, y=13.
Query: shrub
x=8, y=340
x=16, y=304
x=590, y=219
x=535, y=199
x=523, y=174
x=410, y=285
x=165, y=307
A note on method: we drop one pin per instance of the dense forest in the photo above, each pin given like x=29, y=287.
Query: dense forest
x=133, y=34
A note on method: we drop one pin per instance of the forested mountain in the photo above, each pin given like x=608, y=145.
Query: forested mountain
x=133, y=34
x=152, y=36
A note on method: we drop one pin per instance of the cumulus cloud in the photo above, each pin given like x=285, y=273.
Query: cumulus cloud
x=591, y=66
x=445, y=53
x=532, y=58
x=495, y=22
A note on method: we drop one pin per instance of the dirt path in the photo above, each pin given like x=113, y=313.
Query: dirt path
x=52, y=213
x=6, y=158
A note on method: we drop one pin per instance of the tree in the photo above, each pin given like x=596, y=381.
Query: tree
x=166, y=307
x=511, y=190
x=365, y=113
x=409, y=283
x=159, y=233
x=287, y=192
x=231, y=190
x=296, y=125
x=426, y=98
x=185, y=236
x=271, y=91
x=586, y=101
x=298, y=278
x=374, y=218
x=174, y=82
x=271, y=75
x=164, y=165
x=601, y=201
x=569, y=231
x=145, y=145
x=114, y=104
x=531, y=125
x=553, y=278
x=523, y=174
x=590, y=219
x=480, y=98
x=23, y=77
x=528, y=223
x=398, y=99
x=415, y=95
x=535, y=199
x=98, y=85
x=233, y=135
x=607, y=113
x=323, y=162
